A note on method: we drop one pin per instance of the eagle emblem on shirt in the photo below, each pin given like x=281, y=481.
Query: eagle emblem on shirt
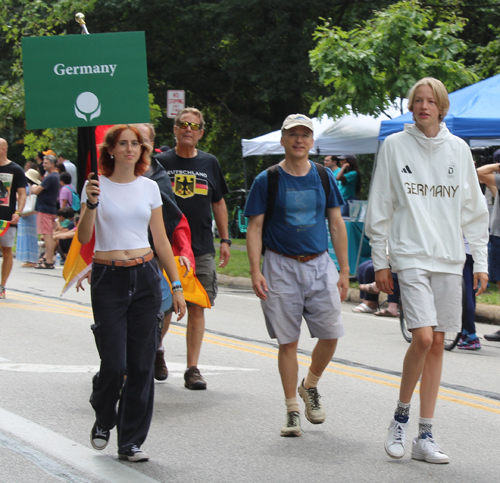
x=184, y=185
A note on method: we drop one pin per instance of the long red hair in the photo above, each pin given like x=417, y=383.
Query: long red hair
x=107, y=164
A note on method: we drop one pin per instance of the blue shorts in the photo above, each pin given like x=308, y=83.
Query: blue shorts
x=494, y=258
x=166, y=295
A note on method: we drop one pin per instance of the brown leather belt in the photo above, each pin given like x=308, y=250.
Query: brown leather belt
x=131, y=262
x=299, y=258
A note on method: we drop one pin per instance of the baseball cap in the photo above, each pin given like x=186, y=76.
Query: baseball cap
x=297, y=120
x=347, y=156
x=496, y=156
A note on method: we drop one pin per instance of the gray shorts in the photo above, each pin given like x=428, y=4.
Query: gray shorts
x=299, y=290
x=207, y=275
x=7, y=241
x=431, y=299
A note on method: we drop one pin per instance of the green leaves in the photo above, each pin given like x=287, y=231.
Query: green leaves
x=370, y=67
x=27, y=18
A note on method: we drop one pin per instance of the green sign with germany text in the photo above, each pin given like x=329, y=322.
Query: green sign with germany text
x=85, y=80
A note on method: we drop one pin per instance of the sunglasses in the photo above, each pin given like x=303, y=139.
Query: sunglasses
x=194, y=125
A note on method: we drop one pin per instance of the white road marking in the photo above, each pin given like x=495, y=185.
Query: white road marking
x=63, y=449
x=176, y=369
x=250, y=296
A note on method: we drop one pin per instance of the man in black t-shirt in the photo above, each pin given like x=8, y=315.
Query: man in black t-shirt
x=12, y=189
x=199, y=187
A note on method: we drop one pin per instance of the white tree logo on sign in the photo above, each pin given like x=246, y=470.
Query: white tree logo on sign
x=86, y=104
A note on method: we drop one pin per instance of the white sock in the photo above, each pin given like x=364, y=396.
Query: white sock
x=292, y=404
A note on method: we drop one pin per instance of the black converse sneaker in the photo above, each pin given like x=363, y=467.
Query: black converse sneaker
x=134, y=455
x=99, y=438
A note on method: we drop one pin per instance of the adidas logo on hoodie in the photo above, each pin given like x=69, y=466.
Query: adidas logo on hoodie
x=406, y=170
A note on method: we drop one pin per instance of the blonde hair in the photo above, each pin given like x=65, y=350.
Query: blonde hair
x=439, y=91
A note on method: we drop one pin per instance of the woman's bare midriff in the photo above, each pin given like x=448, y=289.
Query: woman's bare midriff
x=122, y=254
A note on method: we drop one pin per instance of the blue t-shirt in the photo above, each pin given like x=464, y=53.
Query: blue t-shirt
x=297, y=226
x=335, y=173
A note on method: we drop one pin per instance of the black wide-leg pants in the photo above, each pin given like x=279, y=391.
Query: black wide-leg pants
x=125, y=301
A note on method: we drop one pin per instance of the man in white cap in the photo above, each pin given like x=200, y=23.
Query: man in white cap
x=298, y=277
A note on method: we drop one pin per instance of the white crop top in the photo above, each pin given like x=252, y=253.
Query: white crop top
x=123, y=213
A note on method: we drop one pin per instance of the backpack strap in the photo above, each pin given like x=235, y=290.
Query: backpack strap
x=325, y=182
x=273, y=176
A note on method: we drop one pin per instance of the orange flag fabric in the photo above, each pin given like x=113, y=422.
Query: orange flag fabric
x=78, y=261
x=192, y=287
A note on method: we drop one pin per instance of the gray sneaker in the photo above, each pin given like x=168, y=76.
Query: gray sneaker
x=428, y=450
x=315, y=412
x=292, y=425
x=396, y=439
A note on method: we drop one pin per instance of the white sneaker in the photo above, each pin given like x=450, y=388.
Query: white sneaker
x=428, y=450
x=292, y=425
x=396, y=439
x=315, y=413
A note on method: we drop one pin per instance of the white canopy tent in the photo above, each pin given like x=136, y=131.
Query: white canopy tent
x=349, y=134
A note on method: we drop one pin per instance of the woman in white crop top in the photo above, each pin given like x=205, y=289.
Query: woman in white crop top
x=125, y=288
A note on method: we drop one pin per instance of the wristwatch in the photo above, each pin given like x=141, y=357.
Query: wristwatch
x=226, y=240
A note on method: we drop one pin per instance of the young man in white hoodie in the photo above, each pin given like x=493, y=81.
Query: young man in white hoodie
x=425, y=193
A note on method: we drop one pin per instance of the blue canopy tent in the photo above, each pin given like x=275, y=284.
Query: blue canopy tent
x=474, y=114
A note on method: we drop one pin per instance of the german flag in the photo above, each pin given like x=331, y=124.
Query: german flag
x=192, y=287
x=78, y=261
x=201, y=187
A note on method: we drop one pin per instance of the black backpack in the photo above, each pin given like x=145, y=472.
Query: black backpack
x=273, y=176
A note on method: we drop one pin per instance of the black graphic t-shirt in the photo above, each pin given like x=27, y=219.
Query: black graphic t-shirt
x=197, y=183
x=11, y=179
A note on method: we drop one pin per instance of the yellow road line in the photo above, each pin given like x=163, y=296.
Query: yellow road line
x=462, y=398
x=36, y=308
x=366, y=375
x=49, y=302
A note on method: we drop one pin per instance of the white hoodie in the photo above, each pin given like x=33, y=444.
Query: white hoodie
x=425, y=191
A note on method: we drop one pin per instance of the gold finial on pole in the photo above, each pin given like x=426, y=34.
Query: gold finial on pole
x=80, y=18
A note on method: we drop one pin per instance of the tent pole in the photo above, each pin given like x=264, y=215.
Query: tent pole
x=245, y=182
x=369, y=191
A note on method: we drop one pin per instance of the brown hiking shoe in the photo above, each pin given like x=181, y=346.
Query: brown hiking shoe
x=193, y=379
x=161, y=371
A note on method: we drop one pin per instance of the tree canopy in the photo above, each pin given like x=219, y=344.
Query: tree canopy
x=374, y=65
x=246, y=65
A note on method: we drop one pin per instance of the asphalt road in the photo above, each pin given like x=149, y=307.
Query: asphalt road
x=229, y=433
